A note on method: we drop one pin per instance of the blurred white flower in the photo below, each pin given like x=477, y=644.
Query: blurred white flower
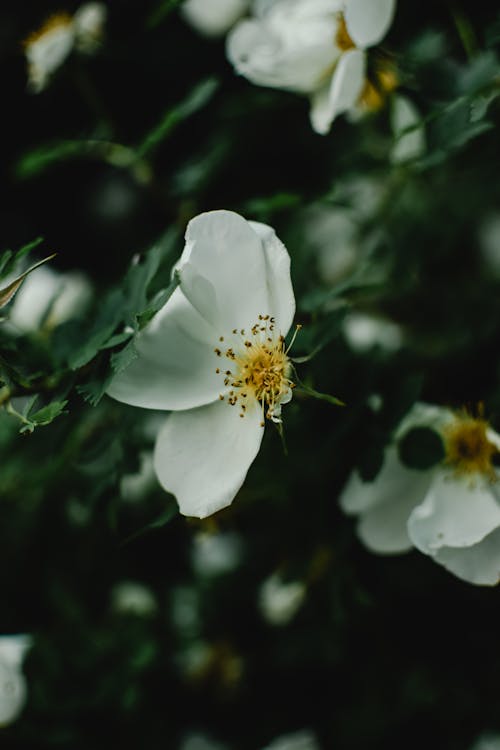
x=487, y=742
x=50, y=298
x=197, y=741
x=303, y=740
x=450, y=512
x=133, y=598
x=489, y=242
x=364, y=332
x=279, y=600
x=213, y=17
x=216, y=553
x=215, y=356
x=134, y=487
x=47, y=48
x=13, y=688
x=409, y=145
x=317, y=48
x=88, y=23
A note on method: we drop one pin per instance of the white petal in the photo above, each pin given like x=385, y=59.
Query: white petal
x=456, y=512
x=425, y=415
x=202, y=455
x=383, y=528
x=393, y=483
x=213, y=18
x=13, y=693
x=176, y=365
x=13, y=648
x=225, y=254
x=479, y=564
x=343, y=92
x=289, y=46
x=368, y=20
x=279, y=283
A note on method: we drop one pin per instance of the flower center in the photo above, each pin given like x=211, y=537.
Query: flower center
x=467, y=446
x=342, y=37
x=259, y=369
x=383, y=81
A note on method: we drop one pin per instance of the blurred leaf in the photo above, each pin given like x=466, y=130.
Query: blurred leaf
x=197, y=98
x=163, y=9
x=8, y=259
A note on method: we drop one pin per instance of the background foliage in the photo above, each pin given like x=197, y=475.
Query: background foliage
x=108, y=165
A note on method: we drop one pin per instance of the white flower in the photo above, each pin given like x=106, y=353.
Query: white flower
x=13, y=690
x=215, y=356
x=133, y=598
x=50, y=298
x=279, y=600
x=88, y=23
x=364, y=332
x=317, y=48
x=47, y=48
x=213, y=17
x=450, y=512
x=197, y=741
x=303, y=740
x=216, y=553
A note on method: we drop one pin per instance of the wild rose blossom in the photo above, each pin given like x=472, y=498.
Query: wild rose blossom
x=450, y=512
x=13, y=689
x=317, y=48
x=215, y=356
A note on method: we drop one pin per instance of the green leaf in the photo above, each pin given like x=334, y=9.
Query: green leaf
x=164, y=8
x=170, y=513
x=120, y=360
x=197, y=98
x=44, y=416
x=9, y=291
x=8, y=259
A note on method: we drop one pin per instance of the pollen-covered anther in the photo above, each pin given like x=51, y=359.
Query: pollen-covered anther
x=261, y=370
x=468, y=448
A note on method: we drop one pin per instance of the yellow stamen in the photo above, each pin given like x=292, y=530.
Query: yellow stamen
x=468, y=449
x=342, y=37
x=56, y=20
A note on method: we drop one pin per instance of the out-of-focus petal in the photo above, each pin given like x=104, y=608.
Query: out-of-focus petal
x=342, y=93
x=368, y=20
x=479, y=564
x=456, y=512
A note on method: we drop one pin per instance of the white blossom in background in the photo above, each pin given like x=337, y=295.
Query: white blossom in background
x=364, y=332
x=198, y=741
x=134, y=487
x=13, y=688
x=317, y=48
x=408, y=145
x=302, y=740
x=213, y=17
x=133, y=598
x=489, y=243
x=279, y=600
x=215, y=357
x=450, y=512
x=88, y=22
x=216, y=553
x=487, y=742
x=47, y=48
x=49, y=298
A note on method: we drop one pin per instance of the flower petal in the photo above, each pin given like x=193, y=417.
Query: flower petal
x=456, y=512
x=279, y=283
x=342, y=93
x=368, y=22
x=393, y=483
x=202, y=455
x=479, y=564
x=383, y=528
x=224, y=254
x=176, y=363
